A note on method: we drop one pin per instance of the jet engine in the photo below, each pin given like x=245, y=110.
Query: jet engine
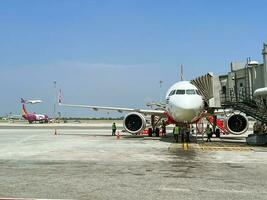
x=236, y=124
x=134, y=122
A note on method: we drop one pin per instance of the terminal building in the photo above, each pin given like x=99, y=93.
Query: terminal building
x=246, y=78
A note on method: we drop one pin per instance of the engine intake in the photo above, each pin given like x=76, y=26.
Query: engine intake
x=236, y=124
x=134, y=123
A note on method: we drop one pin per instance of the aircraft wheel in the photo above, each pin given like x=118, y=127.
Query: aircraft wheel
x=157, y=132
x=150, y=132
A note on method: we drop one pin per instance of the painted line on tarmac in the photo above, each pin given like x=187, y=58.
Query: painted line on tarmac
x=211, y=190
x=30, y=199
x=207, y=148
x=178, y=146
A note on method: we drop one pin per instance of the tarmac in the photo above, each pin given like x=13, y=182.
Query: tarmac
x=91, y=164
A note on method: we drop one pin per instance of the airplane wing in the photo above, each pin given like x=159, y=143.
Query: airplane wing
x=120, y=110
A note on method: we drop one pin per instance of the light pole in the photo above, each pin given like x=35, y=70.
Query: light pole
x=160, y=95
x=55, y=88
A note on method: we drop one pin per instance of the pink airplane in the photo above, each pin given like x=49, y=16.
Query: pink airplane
x=33, y=117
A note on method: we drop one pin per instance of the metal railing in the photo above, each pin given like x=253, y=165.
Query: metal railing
x=232, y=97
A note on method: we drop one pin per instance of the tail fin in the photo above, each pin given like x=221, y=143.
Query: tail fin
x=24, y=111
x=22, y=100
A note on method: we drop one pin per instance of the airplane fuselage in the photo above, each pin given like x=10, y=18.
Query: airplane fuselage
x=36, y=117
x=33, y=117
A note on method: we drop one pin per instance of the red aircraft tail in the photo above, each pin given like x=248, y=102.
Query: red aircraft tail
x=24, y=111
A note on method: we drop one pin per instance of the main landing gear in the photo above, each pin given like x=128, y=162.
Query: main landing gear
x=154, y=129
x=156, y=132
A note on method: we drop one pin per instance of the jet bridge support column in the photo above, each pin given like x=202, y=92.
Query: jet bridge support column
x=264, y=53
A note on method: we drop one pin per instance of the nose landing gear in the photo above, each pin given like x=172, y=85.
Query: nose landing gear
x=154, y=129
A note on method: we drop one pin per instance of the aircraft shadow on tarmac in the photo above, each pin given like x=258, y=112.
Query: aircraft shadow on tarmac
x=170, y=138
x=225, y=140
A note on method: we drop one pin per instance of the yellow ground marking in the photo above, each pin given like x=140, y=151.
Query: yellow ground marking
x=185, y=146
x=209, y=147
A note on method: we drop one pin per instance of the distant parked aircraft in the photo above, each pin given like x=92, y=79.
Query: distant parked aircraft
x=33, y=117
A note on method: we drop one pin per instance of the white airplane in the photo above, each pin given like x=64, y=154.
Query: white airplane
x=184, y=105
x=30, y=101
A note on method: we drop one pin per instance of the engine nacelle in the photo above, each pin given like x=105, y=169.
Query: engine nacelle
x=134, y=122
x=236, y=124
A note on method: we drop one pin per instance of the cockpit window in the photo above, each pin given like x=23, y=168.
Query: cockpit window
x=180, y=91
x=190, y=91
x=172, y=93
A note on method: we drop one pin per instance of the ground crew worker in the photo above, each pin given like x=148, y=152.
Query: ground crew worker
x=264, y=128
x=208, y=131
x=187, y=133
x=114, y=128
x=218, y=133
x=255, y=128
x=163, y=129
x=183, y=134
x=176, y=131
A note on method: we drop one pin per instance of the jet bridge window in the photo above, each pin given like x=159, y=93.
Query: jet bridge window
x=180, y=91
x=190, y=92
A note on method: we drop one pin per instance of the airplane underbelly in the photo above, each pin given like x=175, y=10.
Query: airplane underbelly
x=184, y=115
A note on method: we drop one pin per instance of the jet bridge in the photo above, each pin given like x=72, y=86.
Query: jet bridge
x=209, y=87
x=243, y=89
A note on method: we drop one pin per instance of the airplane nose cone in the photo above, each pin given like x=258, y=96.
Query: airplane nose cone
x=186, y=109
x=189, y=103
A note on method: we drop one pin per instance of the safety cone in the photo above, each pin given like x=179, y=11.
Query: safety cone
x=118, y=135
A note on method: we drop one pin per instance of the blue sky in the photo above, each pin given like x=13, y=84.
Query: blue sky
x=114, y=53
